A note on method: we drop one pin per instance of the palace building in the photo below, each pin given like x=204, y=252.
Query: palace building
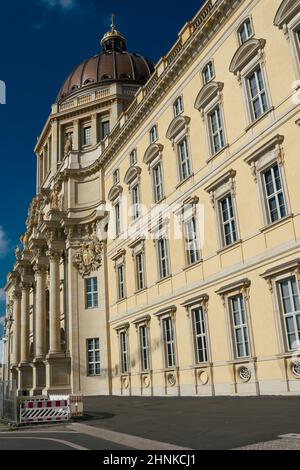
x=162, y=249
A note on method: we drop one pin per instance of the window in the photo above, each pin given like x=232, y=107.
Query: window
x=116, y=176
x=93, y=356
x=87, y=136
x=124, y=352
x=228, y=223
x=163, y=261
x=157, y=182
x=139, y=263
x=290, y=306
x=178, y=106
x=216, y=130
x=199, y=329
x=144, y=348
x=133, y=157
x=208, y=73
x=169, y=343
x=275, y=200
x=153, y=134
x=121, y=281
x=239, y=326
x=191, y=241
x=117, y=218
x=91, y=292
x=105, y=129
x=184, y=159
x=135, y=194
x=257, y=93
x=245, y=32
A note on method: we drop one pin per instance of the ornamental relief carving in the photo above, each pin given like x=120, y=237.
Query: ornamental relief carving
x=88, y=257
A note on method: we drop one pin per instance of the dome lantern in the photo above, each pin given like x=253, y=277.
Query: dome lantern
x=113, y=40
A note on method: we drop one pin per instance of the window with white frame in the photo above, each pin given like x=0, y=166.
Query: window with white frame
x=208, y=73
x=87, y=135
x=144, y=347
x=163, y=258
x=227, y=219
x=117, y=209
x=93, y=357
x=105, y=129
x=121, y=281
x=116, y=176
x=169, y=342
x=216, y=130
x=139, y=267
x=290, y=307
x=287, y=19
x=274, y=194
x=153, y=134
x=157, y=182
x=191, y=241
x=135, y=199
x=184, y=159
x=239, y=326
x=245, y=32
x=123, y=338
x=91, y=293
x=133, y=157
x=200, y=335
x=178, y=106
x=258, y=101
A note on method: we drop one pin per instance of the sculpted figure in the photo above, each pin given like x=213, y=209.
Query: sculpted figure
x=68, y=145
x=54, y=199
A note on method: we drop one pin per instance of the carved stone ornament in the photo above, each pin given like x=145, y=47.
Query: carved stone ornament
x=88, y=257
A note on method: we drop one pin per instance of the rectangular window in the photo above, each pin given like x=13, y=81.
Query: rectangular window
x=178, y=106
x=257, y=94
x=93, y=357
x=118, y=218
x=169, y=342
x=121, y=281
x=239, y=326
x=153, y=134
x=105, y=129
x=87, y=136
x=290, y=305
x=208, y=73
x=135, y=193
x=144, y=348
x=158, y=183
x=139, y=264
x=133, y=157
x=200, y=339
x=124, y=352
x=163, y=261
x=216, y=130
x=228, y=221
x=184, y=160
x=245, y=32
x=116, y=176
x=91, y=292
x=275, y=200
x=191, y=241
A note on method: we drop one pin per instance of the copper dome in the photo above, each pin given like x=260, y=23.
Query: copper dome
x=113, y=64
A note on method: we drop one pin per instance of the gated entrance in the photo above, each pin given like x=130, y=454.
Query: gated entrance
x=8, y=401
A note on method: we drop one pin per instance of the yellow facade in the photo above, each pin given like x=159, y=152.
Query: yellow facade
x=219, y=319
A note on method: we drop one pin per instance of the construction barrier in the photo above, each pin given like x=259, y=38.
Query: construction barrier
x=75, y=403
x=44, y=410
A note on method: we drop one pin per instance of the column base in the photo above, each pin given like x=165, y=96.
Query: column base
x=39, y=376
x=25, y=379
x=58, y=373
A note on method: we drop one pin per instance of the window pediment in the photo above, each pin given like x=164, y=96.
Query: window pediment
x=207, y=93
x=131, y=174
x=245, y=53
x=287, y=10
x=115, y=192
x=179, y=124
x=152, y=152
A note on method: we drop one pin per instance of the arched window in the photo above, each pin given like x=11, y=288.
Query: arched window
x=208, y=72
x=245, y=31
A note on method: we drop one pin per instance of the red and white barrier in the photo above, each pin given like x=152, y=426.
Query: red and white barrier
x=44, y=410
x=75, y=403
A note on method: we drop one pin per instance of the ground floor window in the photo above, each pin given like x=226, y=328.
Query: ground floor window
x=93, y=356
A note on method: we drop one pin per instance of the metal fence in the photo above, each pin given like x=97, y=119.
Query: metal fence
x=8, y=401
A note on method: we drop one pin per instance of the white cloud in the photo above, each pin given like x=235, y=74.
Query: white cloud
x=4, y=242
x=62, y=4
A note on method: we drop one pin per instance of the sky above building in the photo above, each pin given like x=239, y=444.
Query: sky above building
x=41, y=42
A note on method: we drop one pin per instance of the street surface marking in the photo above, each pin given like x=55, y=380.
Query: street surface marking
x=60, y=441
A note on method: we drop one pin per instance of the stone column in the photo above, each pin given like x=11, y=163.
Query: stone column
x=54, y=297
x=25, y=323
x=40, y=311
x=76, y=135
x=54, y=157
x=94, y=129
x=16, y=327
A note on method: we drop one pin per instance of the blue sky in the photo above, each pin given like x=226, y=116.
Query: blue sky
x=41, y=42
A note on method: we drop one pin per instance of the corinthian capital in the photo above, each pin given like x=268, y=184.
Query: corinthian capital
x=54, y=254
x=40, y=269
